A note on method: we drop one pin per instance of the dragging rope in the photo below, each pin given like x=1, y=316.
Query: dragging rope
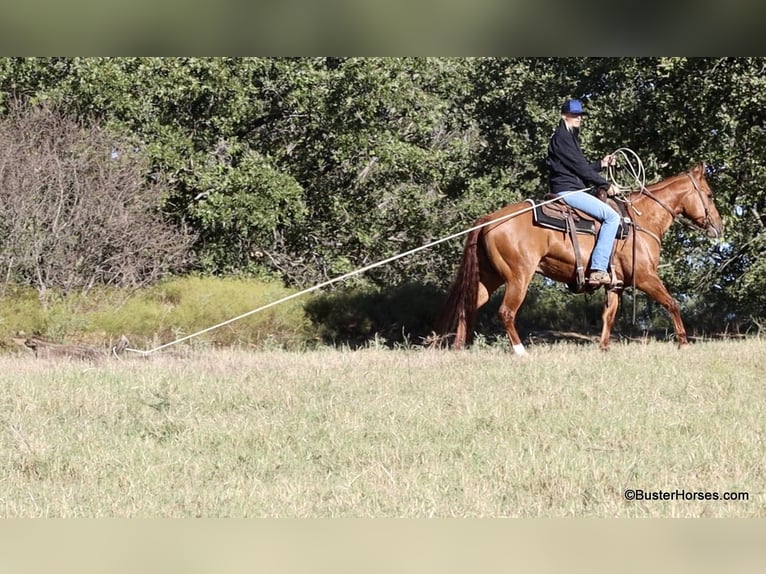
x=347, y=276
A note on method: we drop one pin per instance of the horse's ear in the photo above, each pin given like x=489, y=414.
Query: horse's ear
x=700, y=169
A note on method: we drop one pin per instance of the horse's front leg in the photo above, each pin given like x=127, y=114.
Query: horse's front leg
x=654, y=287
x=611, y=304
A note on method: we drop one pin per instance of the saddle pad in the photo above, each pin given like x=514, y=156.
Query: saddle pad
x=543, y=219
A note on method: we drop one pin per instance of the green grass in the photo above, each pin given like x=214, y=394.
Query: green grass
x=385, y=433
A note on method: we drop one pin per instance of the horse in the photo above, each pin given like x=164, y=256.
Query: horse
x=510, y=251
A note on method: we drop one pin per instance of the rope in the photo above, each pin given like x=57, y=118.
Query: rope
x=350, y=274
x=639, y=176
x=638, y=172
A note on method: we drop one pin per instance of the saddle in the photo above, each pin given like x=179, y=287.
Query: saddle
x=559, y=216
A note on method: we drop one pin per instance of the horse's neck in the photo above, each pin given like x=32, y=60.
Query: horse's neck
x=658, y=213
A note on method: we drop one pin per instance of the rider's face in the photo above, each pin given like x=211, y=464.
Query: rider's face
x=573, y=120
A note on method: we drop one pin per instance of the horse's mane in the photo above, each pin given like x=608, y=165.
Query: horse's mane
x=656, y=186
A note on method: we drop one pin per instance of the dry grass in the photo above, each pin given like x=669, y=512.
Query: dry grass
x=381, y=433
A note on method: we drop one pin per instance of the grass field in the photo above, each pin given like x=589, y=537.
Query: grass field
x=386, y=433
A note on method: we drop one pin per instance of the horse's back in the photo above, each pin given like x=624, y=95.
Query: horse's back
x=514, y=239
x=514, y=221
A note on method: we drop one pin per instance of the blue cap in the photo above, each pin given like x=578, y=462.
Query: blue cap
x=572, y=107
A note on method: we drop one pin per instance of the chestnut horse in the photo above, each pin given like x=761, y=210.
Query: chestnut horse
x=511, y=251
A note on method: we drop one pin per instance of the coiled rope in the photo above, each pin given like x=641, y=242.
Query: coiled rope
x=637, y=174
x=630, y=171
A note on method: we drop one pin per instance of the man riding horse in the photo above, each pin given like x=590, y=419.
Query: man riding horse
x=509, y=246
x=569, y=171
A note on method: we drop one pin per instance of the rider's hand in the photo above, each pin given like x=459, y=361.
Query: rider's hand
x=611, y=191
x=608, y=160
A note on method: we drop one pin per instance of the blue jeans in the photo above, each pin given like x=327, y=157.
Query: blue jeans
x=610, y=223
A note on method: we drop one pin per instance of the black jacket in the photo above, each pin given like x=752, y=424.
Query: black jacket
x=568, y=170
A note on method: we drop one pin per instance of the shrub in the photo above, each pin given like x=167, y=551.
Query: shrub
x=77, y=209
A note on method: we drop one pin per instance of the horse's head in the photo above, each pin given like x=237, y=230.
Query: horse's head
x=698, y=204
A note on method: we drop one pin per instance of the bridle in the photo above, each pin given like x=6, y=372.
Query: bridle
x=635, y=167
x=704, y=222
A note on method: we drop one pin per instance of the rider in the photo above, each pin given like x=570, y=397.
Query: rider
x=568, y=170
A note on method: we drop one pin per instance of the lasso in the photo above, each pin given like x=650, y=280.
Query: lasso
x=627, y=166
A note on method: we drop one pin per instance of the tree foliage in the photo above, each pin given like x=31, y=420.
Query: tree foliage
x=306, y=168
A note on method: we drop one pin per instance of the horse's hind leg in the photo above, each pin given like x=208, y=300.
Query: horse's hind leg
x=515, y=292
x=489, y=281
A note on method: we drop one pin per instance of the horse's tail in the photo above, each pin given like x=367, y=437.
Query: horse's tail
x=459, y=312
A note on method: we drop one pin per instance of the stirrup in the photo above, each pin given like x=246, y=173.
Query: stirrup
x=599, y=278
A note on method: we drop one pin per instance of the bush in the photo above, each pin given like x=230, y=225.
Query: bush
x=77, y=209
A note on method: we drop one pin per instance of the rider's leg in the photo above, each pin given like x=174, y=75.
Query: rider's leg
x=610, y=223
